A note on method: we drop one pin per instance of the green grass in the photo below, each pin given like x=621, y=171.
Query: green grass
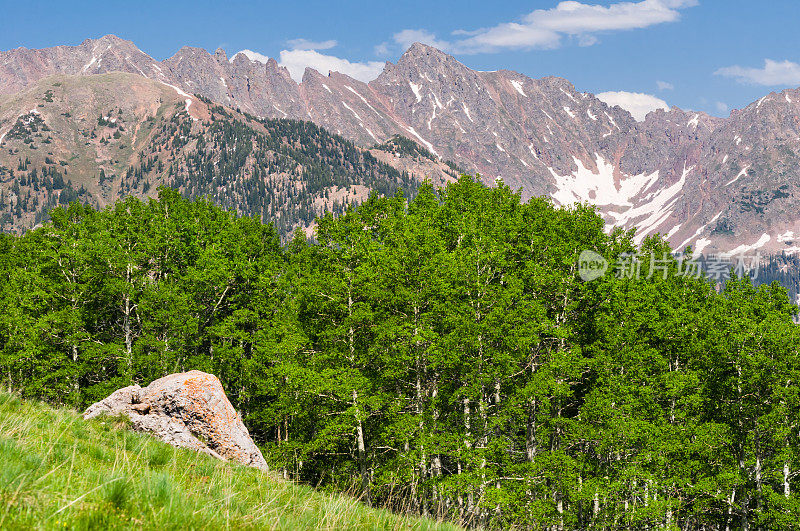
x=58, y=471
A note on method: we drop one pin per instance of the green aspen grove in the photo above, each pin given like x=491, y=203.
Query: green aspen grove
x=439, y=355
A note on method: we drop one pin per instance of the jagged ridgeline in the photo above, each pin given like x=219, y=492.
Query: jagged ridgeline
x=80, y=139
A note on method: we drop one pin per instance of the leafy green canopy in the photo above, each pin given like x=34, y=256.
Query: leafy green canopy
x=440, y=356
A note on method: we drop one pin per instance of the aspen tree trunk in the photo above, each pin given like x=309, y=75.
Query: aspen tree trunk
x=787, y=490
x=483, y=443
x=758, y=468
x=530, y=432
x=596, y=504
x=497, y=509
x=560, y=510
x=745, y=522
x=730, y=509
x=418, y=409
x=75, y=383
x=126, y=324
x=468, y=446
x=362, y=451
x=436, y=465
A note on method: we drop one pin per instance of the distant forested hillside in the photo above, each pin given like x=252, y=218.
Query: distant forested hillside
x=100, y=139
x=783, y=268
x=440, y=355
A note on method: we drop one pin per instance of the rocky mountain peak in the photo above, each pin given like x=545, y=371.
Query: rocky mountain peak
x=221, y=56
x=110, y=39
x=678, y=172
x=421, y=58
x=273, y=66
x=420, y=50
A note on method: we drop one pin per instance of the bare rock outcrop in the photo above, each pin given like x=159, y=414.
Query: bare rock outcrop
x=188, y=410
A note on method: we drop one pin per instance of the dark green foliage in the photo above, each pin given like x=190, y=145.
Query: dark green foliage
x=784, y=269
x=405, y=146
x=283, y=171
x=758, y=200
x=26, y=126
x=439, y=355
x=273, y=169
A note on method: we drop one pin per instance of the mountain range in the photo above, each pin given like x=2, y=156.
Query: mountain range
x=720, y=185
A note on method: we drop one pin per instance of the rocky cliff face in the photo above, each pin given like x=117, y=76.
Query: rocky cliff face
x=719, y=185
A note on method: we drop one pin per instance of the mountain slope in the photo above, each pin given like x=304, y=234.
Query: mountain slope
x=98, y=138
x=719, y=185
x=62, y=472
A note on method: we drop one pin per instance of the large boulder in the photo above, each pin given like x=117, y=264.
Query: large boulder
x=188, y=410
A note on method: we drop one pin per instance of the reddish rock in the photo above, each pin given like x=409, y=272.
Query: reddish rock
x=188, y=410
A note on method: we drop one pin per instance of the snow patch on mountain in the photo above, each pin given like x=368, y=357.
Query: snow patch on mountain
x=570, y=96
x=655, y=211
x=89, y=64
x=584, y=185
x=740, y=174
x=279, y=110
x=518, y=87
x=744, y=248
x=425, y=142
x=415, y=89
x=351, y=89
x=697, y=232
x=185, y=95
x=701, y=244
x=346, y=106
x=466, y=111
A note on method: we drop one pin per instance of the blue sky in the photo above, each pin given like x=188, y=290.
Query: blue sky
x=709, y=55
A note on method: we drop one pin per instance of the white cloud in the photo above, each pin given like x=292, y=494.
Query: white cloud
x=296, y=62
x=304, y=44
x=663, y=85
x=636, y=103
x=545, y=28
x=408, y=37
x=304, y=54
x=511, y=35
x=773, y=73
x=721, y=106
x=253, y=56
x=575, y=18
x=382, y=49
